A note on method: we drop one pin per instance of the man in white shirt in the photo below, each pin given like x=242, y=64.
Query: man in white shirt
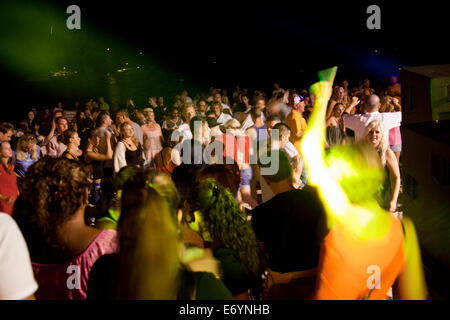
x=16, y=274
x=359, y=122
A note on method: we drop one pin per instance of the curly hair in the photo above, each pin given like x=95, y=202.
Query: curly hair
x=23, y=140
x=51, y=193
x=225, y=222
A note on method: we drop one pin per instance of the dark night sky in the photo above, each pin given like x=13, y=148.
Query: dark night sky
x=249, y=43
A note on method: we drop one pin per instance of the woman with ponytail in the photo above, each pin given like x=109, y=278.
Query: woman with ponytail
x=215, y=214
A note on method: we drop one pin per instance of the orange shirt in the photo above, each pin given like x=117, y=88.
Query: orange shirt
x=297, y=123
x=349, y=265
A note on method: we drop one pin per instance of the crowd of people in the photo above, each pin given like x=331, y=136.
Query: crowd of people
x=173, y=200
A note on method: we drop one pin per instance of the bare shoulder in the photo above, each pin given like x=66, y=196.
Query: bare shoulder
x=390, y=155
x=391, y=159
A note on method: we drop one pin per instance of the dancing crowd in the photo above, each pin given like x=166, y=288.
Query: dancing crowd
x=173, y=200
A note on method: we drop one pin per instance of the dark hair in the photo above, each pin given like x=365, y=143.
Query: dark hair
x=226, y=175
x=273, y=118
x=255, y=113
x=66, y=136
x=24, y=126
x=193, y=121
x=258, y=98
x=59, y=118
x=183, y=176
x=284, y=166
x=216, y=103
x=170, y=110
x=5, y=127
x=240, y=107
x=101, y=118
x=58, y=110
x=123, y=112
x=51, y=192
x=280, y=95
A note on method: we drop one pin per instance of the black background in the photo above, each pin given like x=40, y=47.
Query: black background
x=195, y=45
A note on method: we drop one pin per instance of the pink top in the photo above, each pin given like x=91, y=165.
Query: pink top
x=69, y=280
x=395, y=136
x=8, y=188
x=152, y=142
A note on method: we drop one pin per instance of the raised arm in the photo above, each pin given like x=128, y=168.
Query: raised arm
x=396, y=103
x=330, y=108
x=91, y=155
x=355, y=101
x=51, y=133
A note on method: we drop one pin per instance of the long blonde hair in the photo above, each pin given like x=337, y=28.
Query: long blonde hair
x=148, y=246
x=133, y=138
x=382, y=147
x=386, y=105
x=22, y=155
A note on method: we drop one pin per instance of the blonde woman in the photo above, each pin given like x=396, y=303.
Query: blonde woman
x=27, y=153
x=374, y=136
x=128, y=150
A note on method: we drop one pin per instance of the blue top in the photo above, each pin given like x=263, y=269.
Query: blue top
x=261, y=133
x=21, y=167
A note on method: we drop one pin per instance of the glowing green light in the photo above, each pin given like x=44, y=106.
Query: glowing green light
x=330, y=177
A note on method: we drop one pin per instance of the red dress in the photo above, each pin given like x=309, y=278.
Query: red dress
x=8, y=187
